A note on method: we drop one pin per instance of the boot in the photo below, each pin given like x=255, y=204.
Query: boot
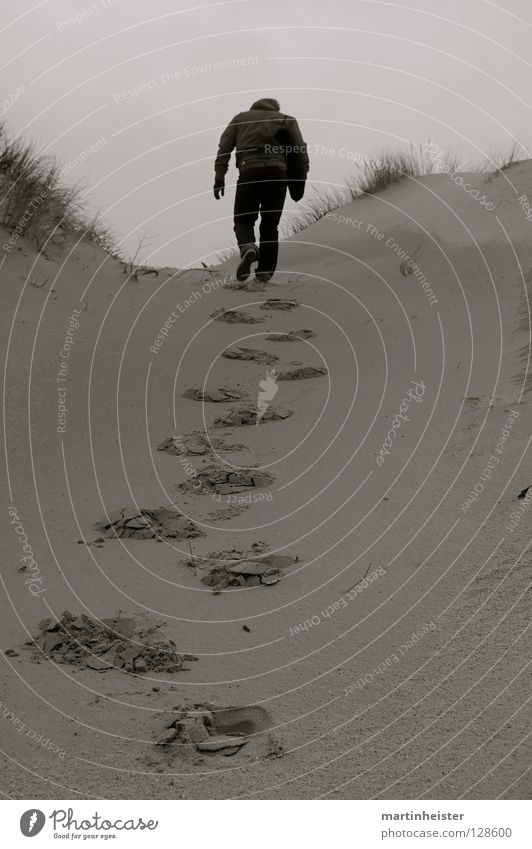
x=249, y=256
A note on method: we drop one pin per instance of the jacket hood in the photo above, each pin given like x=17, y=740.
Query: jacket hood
x=266, y=103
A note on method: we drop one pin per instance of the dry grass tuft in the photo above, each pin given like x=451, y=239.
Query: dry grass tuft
x=35, y=204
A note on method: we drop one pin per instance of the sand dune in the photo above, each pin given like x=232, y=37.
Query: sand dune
x=392, y=464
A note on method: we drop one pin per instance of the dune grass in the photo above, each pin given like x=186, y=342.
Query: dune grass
x=377, y=173
x=317, y=203
x=501, y=160
x=37, y=205
x=374, y=174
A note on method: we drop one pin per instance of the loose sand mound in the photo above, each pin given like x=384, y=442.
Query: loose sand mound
x=217, y=396
x=161, y=523
x=291, y=336
x=279, y=304
x=198, y=443
x=250, y=415
x=213, y=730
x=236, y=316
x=250, y=354
x=302, y=373
x=221, y=571
x=117, y=643
x=226, y=481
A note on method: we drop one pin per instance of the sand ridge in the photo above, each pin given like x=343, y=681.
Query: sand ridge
x=370, y=700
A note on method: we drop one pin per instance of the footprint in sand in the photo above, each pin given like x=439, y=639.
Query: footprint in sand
x=291, y=336
x=233, y=569
x=302, y=373
x=220, y=395
x=213, y=732
x=250, y=354
x=250, y=416
x=227, y=482
x=160, y=523
x=197, y=443
x=236, y=317
x=279, y=304
x=247, y=286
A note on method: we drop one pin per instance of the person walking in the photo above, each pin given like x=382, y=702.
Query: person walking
x=271, y=157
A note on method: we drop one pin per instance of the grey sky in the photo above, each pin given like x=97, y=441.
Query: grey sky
x=358, y=75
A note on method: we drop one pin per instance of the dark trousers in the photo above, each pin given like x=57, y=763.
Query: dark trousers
x=260, y=190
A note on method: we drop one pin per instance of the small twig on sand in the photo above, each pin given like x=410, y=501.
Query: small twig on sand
x=194, y=268
x=360, y=581
x=192, y=557
x=153, y=628
x=300, y=283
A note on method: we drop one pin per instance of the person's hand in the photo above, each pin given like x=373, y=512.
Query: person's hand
x=219, y=188
x=296, y=189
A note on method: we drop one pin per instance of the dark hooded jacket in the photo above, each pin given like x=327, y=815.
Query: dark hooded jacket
x=263, y=136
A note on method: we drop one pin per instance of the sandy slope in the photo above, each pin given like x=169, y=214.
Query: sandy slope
x=444, y=718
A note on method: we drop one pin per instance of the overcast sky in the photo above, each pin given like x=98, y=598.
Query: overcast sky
x=357, y=74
